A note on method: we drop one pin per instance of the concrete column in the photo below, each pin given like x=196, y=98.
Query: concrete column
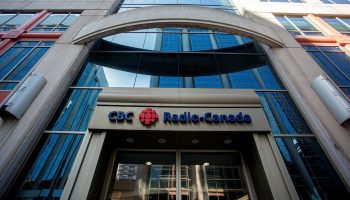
x=80, y=179
x=276, y=173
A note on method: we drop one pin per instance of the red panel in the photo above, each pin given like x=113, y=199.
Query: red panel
x=44, y=36
x=3, y=95
x=14, y=34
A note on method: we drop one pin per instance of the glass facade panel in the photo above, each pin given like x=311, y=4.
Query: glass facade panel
x=310, y=170
x=334, y=62
x=11, y=21
x=200, y=42
x=144, y=175
x=282, y=113
x=338, y=24
x=51, y=167
x=224, y=5
x=56, y=23
x=18, y=61
x=75, y=112
x=298, y=25
x=335, y=1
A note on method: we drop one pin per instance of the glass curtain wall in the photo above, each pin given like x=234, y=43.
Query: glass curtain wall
x=178, y=57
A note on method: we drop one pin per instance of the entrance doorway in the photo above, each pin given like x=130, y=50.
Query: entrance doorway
x=178, y=174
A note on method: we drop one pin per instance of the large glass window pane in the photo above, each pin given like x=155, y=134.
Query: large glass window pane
x=51, y=168
x=212, y=81
x=227, y=40
x=282, y=113
x=310, y=170
x=212, y=176
x=172, y=42
x=15, y=22
x=11, y=58
x=200, y=42
x=27, y=64
x=286, y=23
x=144, y=175
x=302, y=24
x=330, y=69
x=69, y=20
x=75, y=113
x=336, y=24
x=50, y=22
x=5, y=17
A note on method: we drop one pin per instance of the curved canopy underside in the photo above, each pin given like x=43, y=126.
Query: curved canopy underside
x=178, y=16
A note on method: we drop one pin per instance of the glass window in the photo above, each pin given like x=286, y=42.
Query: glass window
x=290, y=1
x=51, y=167
x=336, y=1
x=200, y=41
x=282, y=113
x=339, y=24
x=75, y=113
x=171, y=41
x=223, y=5
x=334, y=62
x=12, y=21
x=17, y=62
x=56, y=23
x=298, y=25
x=310, y=170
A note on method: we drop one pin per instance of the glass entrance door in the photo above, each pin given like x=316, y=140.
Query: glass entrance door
x=140, y=175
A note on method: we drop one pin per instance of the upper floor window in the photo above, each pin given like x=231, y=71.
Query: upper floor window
x=56, y=23
x=12, y=21
x=336, y=1
x=298, y=25
x=288, y=1
x=224, y=5
x=335, y=63
x=19, y=55
x=340, y=24
x=19, y=60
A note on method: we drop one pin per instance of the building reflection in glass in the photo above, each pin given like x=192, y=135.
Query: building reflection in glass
x=218, y=179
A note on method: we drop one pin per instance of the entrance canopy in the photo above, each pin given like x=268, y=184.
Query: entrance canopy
x=178, y=16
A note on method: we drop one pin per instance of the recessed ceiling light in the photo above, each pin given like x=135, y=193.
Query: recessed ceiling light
x=148, y=163
x=206, y=164
x=130, y=140
x=162, y=141
x=228, y=141
x=195, y=141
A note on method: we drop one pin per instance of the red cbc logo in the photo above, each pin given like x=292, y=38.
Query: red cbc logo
x=148, y=116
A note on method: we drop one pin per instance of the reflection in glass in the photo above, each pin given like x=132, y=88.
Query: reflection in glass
x=212, y=176
x=144, y=175
x=14, y=21
x=51, y=168
x=310, y=170
x=75, y=114
x=282, y=113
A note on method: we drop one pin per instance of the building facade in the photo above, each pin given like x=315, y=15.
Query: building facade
x=174, y=99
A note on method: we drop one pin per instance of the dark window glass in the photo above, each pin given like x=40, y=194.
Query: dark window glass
x=20, y=59
x=51, y=168
x=282, y=113
x=333, y=61
x=75, y=113
x=7, y=86
x=310, y=170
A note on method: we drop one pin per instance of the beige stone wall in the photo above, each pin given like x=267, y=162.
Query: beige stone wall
x=59, y=66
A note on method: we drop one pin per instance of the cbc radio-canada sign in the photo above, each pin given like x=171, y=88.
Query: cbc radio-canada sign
x=149, y=117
